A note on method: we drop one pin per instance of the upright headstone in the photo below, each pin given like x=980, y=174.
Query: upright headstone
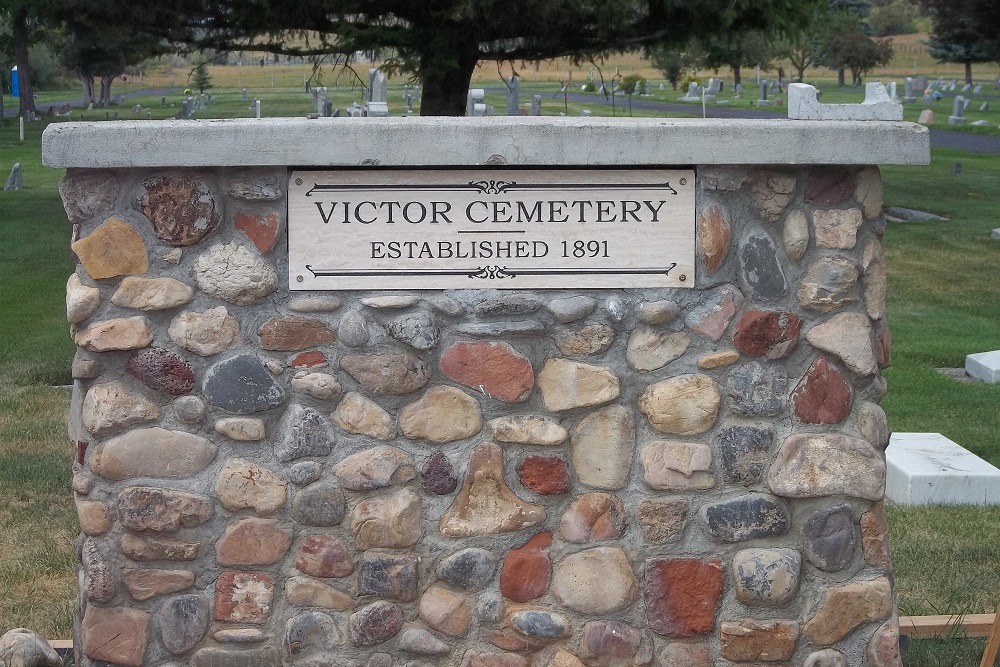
x=380, y=88
x=926, y=117
x=184, y=109
x=256, y=105
x=513, y=95
x=762, y=94
x=479, y=109
x=536, y=105
x=977, y=90
x=476, y=96
x=163, y=101
x=355, y=110
x=892, y=91
x=244, y=94
x=908, y=87
x=984, y=106
x=957, y=116
x=14, y=180
x=693, y=93
x=921, y=82
x=966, y=87
x=377, y=109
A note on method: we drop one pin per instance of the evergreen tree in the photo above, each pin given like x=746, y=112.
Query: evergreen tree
x=965, y=31
x=200, y=78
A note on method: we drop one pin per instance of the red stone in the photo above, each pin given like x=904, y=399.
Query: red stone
x=324, y=556
x=491, y=367
x=875, y=536
x=243, y=597
x=823, y=395
x=593, y=517
x=681, y=595
x=613, y=641
x=828, y=187
x=526, y=570
x=291, y=333
x=310, y=359
x=764, y=333
x=162, y=370
x=545, y=475
x=261, y=229
x=438, y=475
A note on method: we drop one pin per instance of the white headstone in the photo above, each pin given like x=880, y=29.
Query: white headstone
x=930, y=469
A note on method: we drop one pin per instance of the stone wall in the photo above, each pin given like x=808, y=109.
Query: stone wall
x=482, y=478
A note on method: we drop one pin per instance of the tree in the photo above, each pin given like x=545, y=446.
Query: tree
x=738, y=50
x=964, y=31
x=200, y=78
x=671, y=61
x=847, y=46
x=25, y=25
x=441, y=41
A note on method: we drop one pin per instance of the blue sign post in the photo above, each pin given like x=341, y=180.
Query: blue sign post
x=15, y=83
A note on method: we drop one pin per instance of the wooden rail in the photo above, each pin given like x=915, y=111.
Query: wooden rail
x=969, y=625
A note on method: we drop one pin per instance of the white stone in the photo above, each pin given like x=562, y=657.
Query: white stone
x=321, y=386
x=81, y=300
x=984, y=366
x=205, y=333
x=930, y=469
x=234, y=273
x=803, y=104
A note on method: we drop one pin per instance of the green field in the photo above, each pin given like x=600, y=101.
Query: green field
x=942, y=306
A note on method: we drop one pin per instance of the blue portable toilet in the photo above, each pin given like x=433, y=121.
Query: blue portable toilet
x=15, y=83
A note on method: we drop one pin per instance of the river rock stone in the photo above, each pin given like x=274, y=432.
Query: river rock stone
x=883, y=344
x=566, y=384
x=324, y=556
x=757, y=389
x=100, y=584
x=828, y=657
x=162, y=510
x=602, y=447
x=469, y=569
x=795, y=235
x=831, y=538
x=491, y=367
x=438, y=475
x=307, y=592
x=252, y=541
x=474, y=659
x=243, y=597
x=243, y=385
x=220, y=657
x=321, y=386
x=442, y=414
x=486, y=505
x=319, y=504
x=875, y=536
x=749, y=517
x=540, y=624
x=93, y=515
x=308, y=633
x=593, y=517
x=875, y=280
x=376, y=623
x=117, y=635
x=507, y=304
x=868, y=191
x=684, y=654
x=822, y=396
x=246, y=485
x=162, y=370
x=714, y=235
x=242, y=429
x=304, y=473
x=422, y=642
x=649, y=349
x=21, y=647
x=111, y=406
x=526, y=569
x=261, y=230
x=829, y=186
x=829, y=283
x=418, y=330
x=760, y=269
x=205, y=333
x=235, y=274
x=307, y=360
x=528, y=430
x=571, y=308
x=375, y=468
x=304, y=432
x=183, y=621
x=762, y=333
x=445, y=611
x=681, y=595
x=86, y=194
x=113, y=249
x=314, y=304
x=545, y=475
x=145, y=584
x=718, y=359
x=849, y=337
x=837, y=228
x=750, y=640
x=126, y=333
x=744, y=451
x=595, y=581
x=362, y=416
x=773, y=192
x=189, y=409
x=590, y=340
x=256, y=185
x=152, y=452
x=294, y=332
x=844, y=608
x=825, y=464
x=181, y=209
x=145, y=549
x=662, y=521
x=610, y=643
x=392, y=521
x=84, y=368
x=681, y=405
x=655, y=313
x=151, y=293
x=711, y=318
x=883, y=648
x=395, y=374
x=490, y=607
x=388, y=576
x=766, y=577
x=82, y=300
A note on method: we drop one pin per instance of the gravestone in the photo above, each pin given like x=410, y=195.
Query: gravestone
x=978, y=89
x=355, y=110
x=959, y=106
x=536, y=105
x=244, y=94
x=376, y=109
x=926, y=117
x=378, y=91
x=475, y=96
x=921, y=83
x=984, y=106
x=909, y=86
x=14, y=180
x=762, y=94
x=892, y=91
x=693, y=93
x=966, y=87
x=513, y=96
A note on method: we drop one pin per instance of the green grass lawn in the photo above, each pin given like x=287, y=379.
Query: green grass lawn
x=942, y=306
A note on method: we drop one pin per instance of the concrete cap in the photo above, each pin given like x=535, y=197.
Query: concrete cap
x=456, y=141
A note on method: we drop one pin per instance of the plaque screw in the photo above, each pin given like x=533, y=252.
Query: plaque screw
x=299, y=279
x=684, y=181
x=681, y=277
x=298, y=181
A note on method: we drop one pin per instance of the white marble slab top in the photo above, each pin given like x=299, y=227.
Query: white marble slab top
x=930, y=469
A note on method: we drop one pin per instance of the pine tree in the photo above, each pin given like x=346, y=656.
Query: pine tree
x=200, y=78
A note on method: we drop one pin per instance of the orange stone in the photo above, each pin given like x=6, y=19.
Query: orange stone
x=749, y=640
x=115, y=634
x=545, y=475
x=290, y=333
x=492, y=367
x=526, y=569
x=113, y=249
x=262, y=230
x=310, y=359
x=875, y=536
x=681, y=595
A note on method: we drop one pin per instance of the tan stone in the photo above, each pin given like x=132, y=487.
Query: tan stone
x=445, y=611
x=684, y=654
x=837, y=228
x=152, y=293
x=718, y=359
x=362, y=416
x=849, y=336
x=773, y=193
x=829, y=283
x=873, y=424
x=146, y=584
x=714, y=235
x=110, y=406
x=674, y=466
x=752, y=640
x=593, y=517
x=846, y=607
x=875, y=280
x=883, y=648
x=662, y=521
x=81, y=300
x=152, y=452
x=868, y=191
x=245, y=485
x=823, y=464
x=795, y=235
x=391, y=521
x=126, y=333
x=154, y=508
x=114, y=248
x=649, y=349
x=595, y=581
x=442, y=414
x=486, y=505
x=321, y=386
x=528, y=430
x=205, y=333
x=375, y=468
x=563, y=658
x=682, y=405
x=602, y=447
x=145, y=549
x=307, y=592
x=94, y=517
x=115, y=634
x=243, y=429
x=591, y=339
x=252, y=541
x=569, y=384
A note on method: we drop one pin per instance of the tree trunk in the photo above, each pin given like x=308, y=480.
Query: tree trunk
x=446, y=84
x=19, y=30
x=88, y=89
x=737, y=78
x=840, y=77
x=106, y=89
x=968, y=72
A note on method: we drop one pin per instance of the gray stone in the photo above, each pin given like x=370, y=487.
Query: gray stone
x=162, y=510
x=447, y=305
x=304, y=472
x=393, y=374
x=658, y=312
x=376, y=623
x=304, y=432
x=21, y=647
x=470, y=569
x=766, y=577
x=422, y=642
x=757, y=389
x=508, y=304
x=353, y=330
x=501, y=328
x=100, y=583
x=310, y=632
x=749, y=517
x=762, y=274
x=744, y=453
x=242, y=384
x=828, y=657
x=417, y=330
x=86, y=194
x=489, y=608
x=541, y=624
x=615, y=308
x=873, y=424
x=571, y=308
x=224, y=657
x=649, y=349
x=319, y=504
x=256, y=185
x=829, y=283
x=183, y=621
x=831, y=538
